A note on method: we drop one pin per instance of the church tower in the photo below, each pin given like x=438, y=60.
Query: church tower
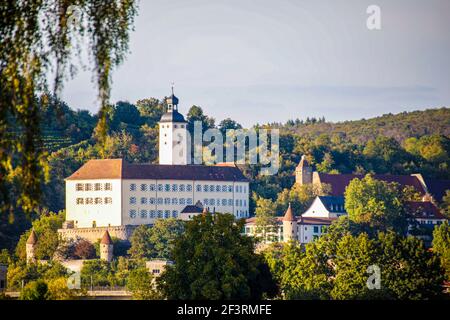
x=31, y=247
x=106, y=247
x=303, y=172
x=173, y=135
x=289, y=225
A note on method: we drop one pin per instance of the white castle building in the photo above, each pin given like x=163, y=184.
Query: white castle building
x=112, y=193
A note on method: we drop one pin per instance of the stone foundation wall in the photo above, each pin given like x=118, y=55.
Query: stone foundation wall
x=94, y=234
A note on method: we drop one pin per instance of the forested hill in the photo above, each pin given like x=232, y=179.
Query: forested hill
x=398, y=126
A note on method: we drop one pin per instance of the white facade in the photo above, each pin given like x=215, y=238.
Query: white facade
x=173, y=143
x=118, y=202
x=318, y=209
x=94, y=203
x=147, y=200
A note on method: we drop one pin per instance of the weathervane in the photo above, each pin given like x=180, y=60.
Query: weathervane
x=173, y=83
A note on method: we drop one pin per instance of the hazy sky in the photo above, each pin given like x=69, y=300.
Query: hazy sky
x=273, y=60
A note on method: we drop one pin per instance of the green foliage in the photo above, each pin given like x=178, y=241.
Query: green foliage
x=21, y=273
x=441, y=246
x=376, y=204
x=336, y=267
x=213, y=260
x=140, y=283
x=156, y=241
x=35, y=290
x=46, y=228
x=31, y=46
x=445, y=206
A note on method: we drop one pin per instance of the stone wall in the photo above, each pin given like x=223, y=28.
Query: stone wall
x=94, y=234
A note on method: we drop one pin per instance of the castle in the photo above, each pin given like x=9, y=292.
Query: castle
x=307, y=226
x=116, y=196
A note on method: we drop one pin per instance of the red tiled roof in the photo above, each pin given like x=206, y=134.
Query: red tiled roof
x=99, y=169
x=339, y=182
x=106, y=239
x=117, y=169
x=424, y=210
x=289, y=215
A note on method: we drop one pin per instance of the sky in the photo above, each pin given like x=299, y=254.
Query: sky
x=274, y=60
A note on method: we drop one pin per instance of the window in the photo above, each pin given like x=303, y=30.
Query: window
x=98, y=200
x=160, y=214
x=88, y=187
x=152, y=187
x=217, y=188
x=132, y=213
x=108, y=200
x=160, y=187
x=97, y=186
x=182, y=188
x=108, y=186
x=182, y=201
x=151, y=200
x=133, y=187
x=174, y=188
x=174, y=201
x=143, y=200
x=237, y=203
x=206, y=201
x=236, y=189
x=205, y=188
x=189, y=188
x=143, y=187
x=89, y=201
x=160, y=200
x=80, y=201
x=245, y=203
x=182, y=125
x=143, y=214
x=167, y=187
x=166, y=200
x=224, y=202
x=212, y=202
x=189, y=201
x=316, y=229
x=199, y=188
x=224, y=188
x=133, y=200
x=174, y=214
x=230, y=202
x=218, y=202
x=167, y=214
x=152, y=214
x=79, y=187
x=230, y=188
x=211, y=188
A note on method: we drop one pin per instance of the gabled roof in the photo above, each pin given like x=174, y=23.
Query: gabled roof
x=119, y=169
x=192, y=209
x=333, y=203
x=437, y=188
x=99, y=169
x=106, y=239
x=32, y=239
x=339, y=182
x=424, y=210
